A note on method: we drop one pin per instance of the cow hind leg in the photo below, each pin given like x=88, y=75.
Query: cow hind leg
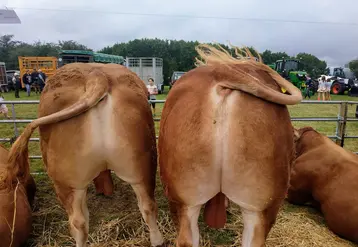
x=189, y=235
x=257, y=225
x=79, y=218
x=148, y=208
x=74, y=202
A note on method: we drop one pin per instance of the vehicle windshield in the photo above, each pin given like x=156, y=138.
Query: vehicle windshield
x=291, y=65
x=338, y=72
x=178, y=75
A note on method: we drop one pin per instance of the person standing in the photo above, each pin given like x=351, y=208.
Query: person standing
x=308, y=86
x=35, y=77
x=322, y=88
x=27, y=79
x=152, y=90
x=17, y=84
x=41, y=79
x=328, y=85
x=3, y=108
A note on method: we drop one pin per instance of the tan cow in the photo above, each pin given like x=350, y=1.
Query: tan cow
x=17, y=192
x=225, y=131
x=326, y=176
x=94, y=118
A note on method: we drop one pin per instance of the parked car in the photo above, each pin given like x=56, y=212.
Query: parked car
x=175, y=76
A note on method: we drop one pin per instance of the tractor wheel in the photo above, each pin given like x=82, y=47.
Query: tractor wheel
x=337, y=88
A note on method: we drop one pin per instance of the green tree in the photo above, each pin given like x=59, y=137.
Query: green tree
x=72, y=45
x=177, y=55
x=353, y=66
x=270, y=57
x=314, y=66
x=7, y=45
x=46, y=49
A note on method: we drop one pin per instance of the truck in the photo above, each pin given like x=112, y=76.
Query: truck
x=48, y=65
x=147, y=67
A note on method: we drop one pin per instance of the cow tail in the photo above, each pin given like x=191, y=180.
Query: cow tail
x=215, y=211
x=96, y=90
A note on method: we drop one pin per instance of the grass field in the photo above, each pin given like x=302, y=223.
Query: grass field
x=116, y=221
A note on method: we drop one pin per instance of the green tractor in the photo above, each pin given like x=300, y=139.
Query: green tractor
x=272, y=65
x=293, y=71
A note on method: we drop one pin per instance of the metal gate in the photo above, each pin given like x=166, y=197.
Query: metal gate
x=340, y=133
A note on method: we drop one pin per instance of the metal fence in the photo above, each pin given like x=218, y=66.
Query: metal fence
x=339, y=137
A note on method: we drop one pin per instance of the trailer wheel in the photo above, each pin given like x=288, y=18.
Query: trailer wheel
x=337, y=88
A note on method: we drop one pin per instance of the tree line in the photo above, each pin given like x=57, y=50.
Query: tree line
x=177, y=55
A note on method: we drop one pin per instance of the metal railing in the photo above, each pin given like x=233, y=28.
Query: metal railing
x=339, y=137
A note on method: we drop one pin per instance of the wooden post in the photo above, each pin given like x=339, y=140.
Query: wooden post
x=342, y=122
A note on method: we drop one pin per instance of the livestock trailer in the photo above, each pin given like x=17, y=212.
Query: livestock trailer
x=147, y=67
x=84, y=56
x=48, y=65
x=3, y=78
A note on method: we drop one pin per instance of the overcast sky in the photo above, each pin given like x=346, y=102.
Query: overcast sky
x=105, y=25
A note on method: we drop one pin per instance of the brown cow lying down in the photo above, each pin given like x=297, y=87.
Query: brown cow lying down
x=94, y=118
x=16, y=182
x=326, y=175
x=225, y=131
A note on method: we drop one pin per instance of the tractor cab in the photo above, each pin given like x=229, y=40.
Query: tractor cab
x=292, y=70
x=338, y=72
x=285, y=66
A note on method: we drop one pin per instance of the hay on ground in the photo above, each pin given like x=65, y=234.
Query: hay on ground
x=117, y=221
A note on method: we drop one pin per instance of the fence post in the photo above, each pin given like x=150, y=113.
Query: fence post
x=342, y=122
x=14, y=118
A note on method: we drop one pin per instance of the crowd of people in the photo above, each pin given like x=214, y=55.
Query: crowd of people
x=35, y=79
x=324, y=88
